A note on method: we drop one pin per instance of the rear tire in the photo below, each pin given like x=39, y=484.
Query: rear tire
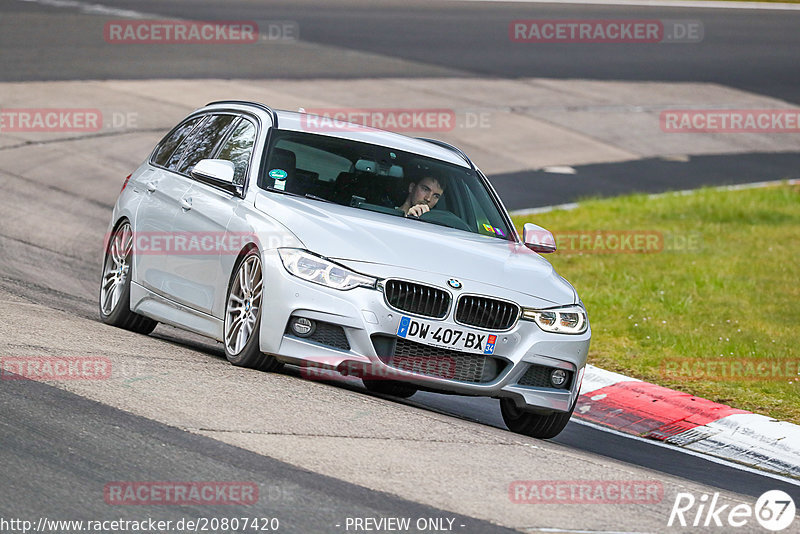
x=115, y=287
x=533, y=424
x=389, y=387
x=243, y=316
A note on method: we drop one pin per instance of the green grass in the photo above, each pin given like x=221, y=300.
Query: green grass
x=729, y=293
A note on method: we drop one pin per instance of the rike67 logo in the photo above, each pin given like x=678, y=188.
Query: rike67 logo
x=774, y=510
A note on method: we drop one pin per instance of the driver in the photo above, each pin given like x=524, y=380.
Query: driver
x=422, y=196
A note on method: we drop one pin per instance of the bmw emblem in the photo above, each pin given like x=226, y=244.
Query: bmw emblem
x=455, y=284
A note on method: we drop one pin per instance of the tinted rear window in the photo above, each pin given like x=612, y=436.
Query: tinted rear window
x=203, y=141
x=168, y=145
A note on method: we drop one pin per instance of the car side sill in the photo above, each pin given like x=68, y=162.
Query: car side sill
x=163, y=310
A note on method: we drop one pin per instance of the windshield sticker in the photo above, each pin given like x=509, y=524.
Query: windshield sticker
x=499, y=232
x=278, y=174
x=488, y=228
x=280, y=185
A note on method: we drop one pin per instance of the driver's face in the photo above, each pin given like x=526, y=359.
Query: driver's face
x=427, y=191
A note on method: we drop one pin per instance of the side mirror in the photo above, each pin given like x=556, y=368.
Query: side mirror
x=215, y=170
x=538, y=239
x=218, y=173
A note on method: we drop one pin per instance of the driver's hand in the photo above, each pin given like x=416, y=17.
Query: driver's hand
x=418, y=210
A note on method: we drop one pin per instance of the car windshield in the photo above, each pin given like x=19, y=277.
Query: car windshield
x=381, y=179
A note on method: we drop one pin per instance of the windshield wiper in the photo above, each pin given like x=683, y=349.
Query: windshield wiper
x=282, y=192
x=315, y=197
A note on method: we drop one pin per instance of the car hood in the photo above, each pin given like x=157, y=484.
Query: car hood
x=353, y=235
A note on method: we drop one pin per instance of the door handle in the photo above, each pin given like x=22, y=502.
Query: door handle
x=151, y=186
x=186, y=203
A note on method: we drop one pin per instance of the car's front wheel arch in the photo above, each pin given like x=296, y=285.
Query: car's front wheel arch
x=245, y=291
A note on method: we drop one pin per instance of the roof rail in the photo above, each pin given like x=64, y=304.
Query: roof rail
x=247, y=102
x=449, y=147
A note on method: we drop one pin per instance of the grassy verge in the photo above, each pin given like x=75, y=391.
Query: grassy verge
x=712, y=305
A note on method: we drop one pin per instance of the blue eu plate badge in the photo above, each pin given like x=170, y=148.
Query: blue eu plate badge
x=402, y=330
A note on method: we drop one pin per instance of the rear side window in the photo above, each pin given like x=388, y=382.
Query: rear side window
x=238, y=149
x=177, y=155
x=204, y=140
x=168, y=145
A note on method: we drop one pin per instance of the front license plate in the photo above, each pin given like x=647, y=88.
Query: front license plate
x=438, y=335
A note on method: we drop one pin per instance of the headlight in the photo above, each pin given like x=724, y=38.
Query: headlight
x=567, y=320
x=303, y=264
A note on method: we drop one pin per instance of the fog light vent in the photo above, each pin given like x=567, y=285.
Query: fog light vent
x=540, y=376
x=558, y=377
x=302, y=327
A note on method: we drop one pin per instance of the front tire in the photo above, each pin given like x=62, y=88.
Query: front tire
x=243, y=316
x=533, y=424
x=115, y=287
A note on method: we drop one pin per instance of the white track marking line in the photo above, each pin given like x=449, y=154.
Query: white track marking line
x=690, y=452
x=93, y=9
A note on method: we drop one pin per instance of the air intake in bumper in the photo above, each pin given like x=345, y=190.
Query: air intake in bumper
x=437, y=362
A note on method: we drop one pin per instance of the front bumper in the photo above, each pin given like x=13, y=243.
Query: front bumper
x=367, y=322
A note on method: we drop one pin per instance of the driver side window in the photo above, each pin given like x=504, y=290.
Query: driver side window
x=238, y=149
x=202, y=143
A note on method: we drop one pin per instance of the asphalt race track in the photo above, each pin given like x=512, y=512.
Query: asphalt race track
x=755, y=51
x=59, y=465
x=750, y=51
x=323, y=453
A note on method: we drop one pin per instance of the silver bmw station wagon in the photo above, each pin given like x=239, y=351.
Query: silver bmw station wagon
x=345, y=250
